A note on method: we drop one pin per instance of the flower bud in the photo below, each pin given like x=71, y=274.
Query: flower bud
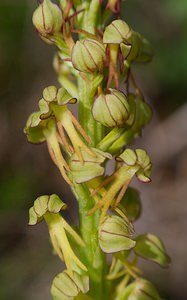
x=116, y=33
x=140, y=289
x=151, y=247
x=111, y=109
x=89, y=56
x=47, y=18
x=66, y=288
x=115, y=235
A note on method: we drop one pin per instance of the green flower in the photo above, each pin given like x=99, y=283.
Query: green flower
x=134, y=162
x=48, y=208
x=39, y=130
x=53, y=123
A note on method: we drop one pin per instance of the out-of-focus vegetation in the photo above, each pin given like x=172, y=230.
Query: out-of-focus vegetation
x=26, y=171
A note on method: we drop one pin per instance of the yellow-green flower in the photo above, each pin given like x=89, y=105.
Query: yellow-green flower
x=133, y=162
x=48, y=208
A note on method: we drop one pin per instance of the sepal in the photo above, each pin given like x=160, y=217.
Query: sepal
x=115, y=235
x=92, y=166
x=151, y=247
x=65, y=287
x=44, y=204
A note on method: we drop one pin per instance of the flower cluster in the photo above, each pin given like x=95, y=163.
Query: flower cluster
x=92, y=61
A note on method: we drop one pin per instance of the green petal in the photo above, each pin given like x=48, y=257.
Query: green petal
x=42, y=205
x=34, y=128
x=63, y=97
x=128, y=157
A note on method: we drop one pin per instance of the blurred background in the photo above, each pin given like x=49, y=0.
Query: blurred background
x=27, y=265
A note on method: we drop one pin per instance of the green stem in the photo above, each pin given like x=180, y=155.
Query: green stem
x=94, y=259
x=87, y=88
x=91, y=16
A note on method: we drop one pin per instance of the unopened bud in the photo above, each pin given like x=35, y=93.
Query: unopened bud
x=115, y=235
x=111, y=109
x=47, y=18
x=89, y=56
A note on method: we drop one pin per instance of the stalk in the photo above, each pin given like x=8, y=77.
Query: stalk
x=87, y=88
x=94, y=259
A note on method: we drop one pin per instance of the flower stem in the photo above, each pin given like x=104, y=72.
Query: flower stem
x=87, y=89
x=94, y=259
